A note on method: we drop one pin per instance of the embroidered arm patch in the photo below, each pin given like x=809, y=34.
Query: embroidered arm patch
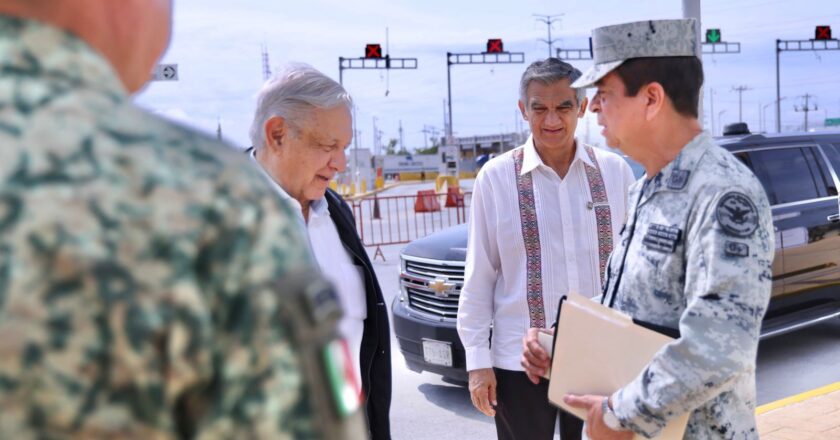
x=735, y=249
x=737, y=214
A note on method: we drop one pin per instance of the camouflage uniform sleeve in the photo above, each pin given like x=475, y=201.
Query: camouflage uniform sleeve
x=256, y=386
x=727, y=289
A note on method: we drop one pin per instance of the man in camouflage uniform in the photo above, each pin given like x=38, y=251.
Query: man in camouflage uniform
x=145, y=286
x=696, y=251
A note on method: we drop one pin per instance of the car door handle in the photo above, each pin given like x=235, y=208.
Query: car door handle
x=834, y=218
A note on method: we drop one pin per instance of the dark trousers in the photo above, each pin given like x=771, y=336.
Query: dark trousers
x=524, y=412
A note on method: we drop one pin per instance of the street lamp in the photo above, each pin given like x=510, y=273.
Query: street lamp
x=764, y=111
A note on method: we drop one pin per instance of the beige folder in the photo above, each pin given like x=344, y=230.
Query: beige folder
x=597, y=351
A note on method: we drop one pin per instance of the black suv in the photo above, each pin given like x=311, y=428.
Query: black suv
x=801, y=174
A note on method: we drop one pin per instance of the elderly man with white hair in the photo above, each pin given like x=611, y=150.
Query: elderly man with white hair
x=300, y=132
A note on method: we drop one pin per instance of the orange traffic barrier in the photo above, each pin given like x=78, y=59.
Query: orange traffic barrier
x=454, y=198
x=426, y=201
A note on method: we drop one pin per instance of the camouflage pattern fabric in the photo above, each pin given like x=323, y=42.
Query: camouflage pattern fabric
x=699, y=246
x=138, y=265
x=613, y=45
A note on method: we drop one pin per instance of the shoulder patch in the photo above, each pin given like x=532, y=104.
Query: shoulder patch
x=737, y=214
x=678, y=179
x=735, y=249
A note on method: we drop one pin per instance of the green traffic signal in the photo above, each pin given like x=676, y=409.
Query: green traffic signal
x=713, y=35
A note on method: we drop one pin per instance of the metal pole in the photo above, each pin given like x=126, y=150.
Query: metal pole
x=764, y=114
x=712, y=108
x=340, y=71
x=355, y=149
x=807, y=109
x=778, y=92
x=760, y=123
x=549, y=38
x=691, y=9
x=449, y=96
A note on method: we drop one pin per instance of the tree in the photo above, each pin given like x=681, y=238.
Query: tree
x=431, y=150
x=391, y=148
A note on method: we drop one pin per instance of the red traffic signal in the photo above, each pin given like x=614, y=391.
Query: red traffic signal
x=822, y=33
x=494, y=45
x=373, y=51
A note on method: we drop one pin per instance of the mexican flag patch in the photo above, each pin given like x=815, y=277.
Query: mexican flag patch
x=341, y=375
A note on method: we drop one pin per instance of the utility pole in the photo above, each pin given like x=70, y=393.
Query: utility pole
x=402, y=145
x=712, y=108
x=446, y=129
x=764, y=115
x=548, y=20
x=760, y=122
x=805, y=109
x=219, y=129
x=375, y=138
x=355, y=148
x=428, y=130
x=266, y=67
x=740, y=90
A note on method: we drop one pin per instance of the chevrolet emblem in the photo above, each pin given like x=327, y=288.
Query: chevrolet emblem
x=441, y=287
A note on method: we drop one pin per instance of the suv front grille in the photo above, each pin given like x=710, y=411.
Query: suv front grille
x=433, y=288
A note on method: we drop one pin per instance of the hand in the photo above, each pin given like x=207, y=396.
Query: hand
x=483, y=390
x=595, y=427
x=535, y=360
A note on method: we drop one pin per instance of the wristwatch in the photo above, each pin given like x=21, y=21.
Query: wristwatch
x=609, y=417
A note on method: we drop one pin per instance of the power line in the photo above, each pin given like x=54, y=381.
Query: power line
x=740, y=90
x=266, y=68
x=805, y=109
x=548, y=20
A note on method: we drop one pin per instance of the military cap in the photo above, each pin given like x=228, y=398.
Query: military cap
x=613, y=45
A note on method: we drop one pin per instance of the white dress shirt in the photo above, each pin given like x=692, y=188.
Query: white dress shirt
x=336, y=264
x=494, y=290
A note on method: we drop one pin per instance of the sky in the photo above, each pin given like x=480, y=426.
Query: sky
x=217, y=46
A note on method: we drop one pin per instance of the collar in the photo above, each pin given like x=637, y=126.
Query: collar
x=317, y=208
x=39, y=50
x=675, y=175
x=531, y=160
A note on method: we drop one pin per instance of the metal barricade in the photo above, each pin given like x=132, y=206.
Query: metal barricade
x=389, y=220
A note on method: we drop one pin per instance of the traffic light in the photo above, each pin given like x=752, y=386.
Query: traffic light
x=373, y=51
x=822, y=33
x=713, y=36
x=494, y=45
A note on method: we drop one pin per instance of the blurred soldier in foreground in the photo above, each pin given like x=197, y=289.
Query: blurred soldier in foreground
x=151, y=285
x=696, y=252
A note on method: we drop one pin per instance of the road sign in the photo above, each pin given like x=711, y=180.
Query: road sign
x=822, y=33
x=373, y=51
x=165, y=72
x=832, y=122
x=494, y=45
x=713, y=35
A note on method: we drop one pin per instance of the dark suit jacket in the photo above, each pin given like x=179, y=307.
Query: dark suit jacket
x=375, y=356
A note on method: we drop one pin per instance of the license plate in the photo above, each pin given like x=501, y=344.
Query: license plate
x=437, y=352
